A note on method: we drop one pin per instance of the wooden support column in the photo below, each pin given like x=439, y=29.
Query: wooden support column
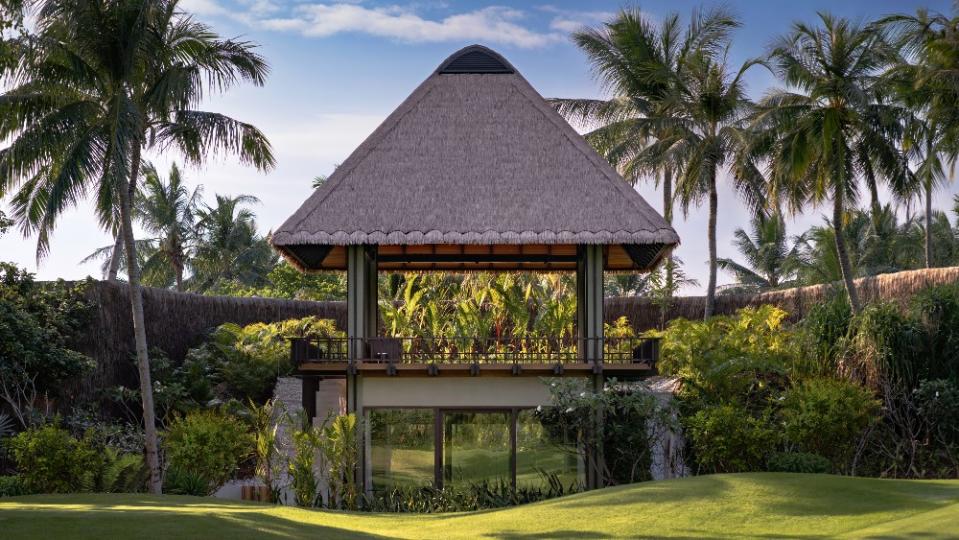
x=589, y=324
x=361, y=317
x=310, y=386
x=361, y=308
x=589, y=302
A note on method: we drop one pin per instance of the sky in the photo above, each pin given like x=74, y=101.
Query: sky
x=339, y=68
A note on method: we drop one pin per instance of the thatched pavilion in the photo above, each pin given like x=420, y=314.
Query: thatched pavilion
x=473, y=171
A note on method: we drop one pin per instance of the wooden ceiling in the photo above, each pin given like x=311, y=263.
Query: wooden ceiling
x=495, y=258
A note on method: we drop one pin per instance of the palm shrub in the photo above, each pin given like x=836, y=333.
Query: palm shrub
x=263, y=419
x=209, y=445
x=340, y=444
x=301, y=466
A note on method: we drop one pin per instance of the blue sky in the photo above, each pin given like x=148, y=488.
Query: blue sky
x=338, y=68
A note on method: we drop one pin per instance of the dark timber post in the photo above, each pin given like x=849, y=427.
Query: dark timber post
x=311, y=385
x=361, y=308
x=589, y=324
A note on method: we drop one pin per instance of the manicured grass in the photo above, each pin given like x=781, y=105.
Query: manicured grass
x=721, y=506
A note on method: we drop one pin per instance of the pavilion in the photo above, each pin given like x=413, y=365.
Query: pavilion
x=474, y=171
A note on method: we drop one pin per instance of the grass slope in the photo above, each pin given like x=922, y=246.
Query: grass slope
x=720, y=506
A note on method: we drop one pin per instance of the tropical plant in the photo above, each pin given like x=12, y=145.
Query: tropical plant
x=265, y=444
x=167, y=211
x=770, y=261
x=50, y=460
x=209, y=444
x=228, y=248
x=340, y=444
x=305, y=439
x=37, y=324
x=832, y=125
x=677, y=109
x=99, y=82
x=922, y=77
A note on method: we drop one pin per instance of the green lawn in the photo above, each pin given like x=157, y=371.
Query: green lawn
x=721, y=506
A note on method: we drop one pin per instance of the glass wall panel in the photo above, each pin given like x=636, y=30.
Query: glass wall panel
x=476, y=447
x=540, y=450
x=401, y=447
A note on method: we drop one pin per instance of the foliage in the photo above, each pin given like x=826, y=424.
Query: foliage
x=937, y=402
x=112, y=472
x=826, y=328
x=468, y=498
x=771, y=262
x=228, y=249
x=209, y=444
x=301, y=466
x=340, y=444
x=741, y=357
x=621, y=438
x=285, y=281
x=242, y=362
x=37, y=322
x=827, y=417
x=50, y=460
x=728, y=438
x=12, y=486
x=178, y=481
x=799, y=462
x=265, y=444
x=480, y=305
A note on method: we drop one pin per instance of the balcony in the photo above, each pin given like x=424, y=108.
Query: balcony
x=472, y=356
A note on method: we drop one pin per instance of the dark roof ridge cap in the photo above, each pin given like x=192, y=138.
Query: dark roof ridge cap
x=476, y=47
x=360, y=153
x=579, y=142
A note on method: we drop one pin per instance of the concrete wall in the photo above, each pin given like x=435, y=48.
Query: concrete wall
x=453, y=392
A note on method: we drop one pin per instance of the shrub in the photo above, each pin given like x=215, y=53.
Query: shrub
x=827, y=417
x=246, y=359
x=209, y=444
x=182, y=482
x=50, y=460
x=37, y=322
x=827, y=328
x=727, y=438
x=468, y=498
x=12, y=486
x=798, y=462
x=112, y=472
x=739, y=358
x=937, y=402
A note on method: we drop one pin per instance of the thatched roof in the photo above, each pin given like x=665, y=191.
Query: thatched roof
x=475, y=156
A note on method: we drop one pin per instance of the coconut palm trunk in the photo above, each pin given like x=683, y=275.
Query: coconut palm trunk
x=711, y=234
x=668, y=214
x=139, y=327
x=115, y=258
x=843, y=253
x=928, y=224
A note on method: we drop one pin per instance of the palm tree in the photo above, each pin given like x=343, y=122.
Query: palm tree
x=167, y=210
x=924, y=80
x=228, y=248
x=676, y=108
x=770, y=261
x=830, y=127
x=99, y=82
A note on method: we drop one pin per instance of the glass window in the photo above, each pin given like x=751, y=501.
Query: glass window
x=476, y=447
x=401, y=447
x=543, y=452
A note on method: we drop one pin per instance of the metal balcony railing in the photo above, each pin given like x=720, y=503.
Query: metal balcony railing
x=472, y=350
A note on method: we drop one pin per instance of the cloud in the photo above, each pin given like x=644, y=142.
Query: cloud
x=202, y=7
x=568, y=20
x=494, y=24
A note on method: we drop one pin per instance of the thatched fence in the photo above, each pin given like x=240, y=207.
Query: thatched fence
x=177, y=321
x=900, y=286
